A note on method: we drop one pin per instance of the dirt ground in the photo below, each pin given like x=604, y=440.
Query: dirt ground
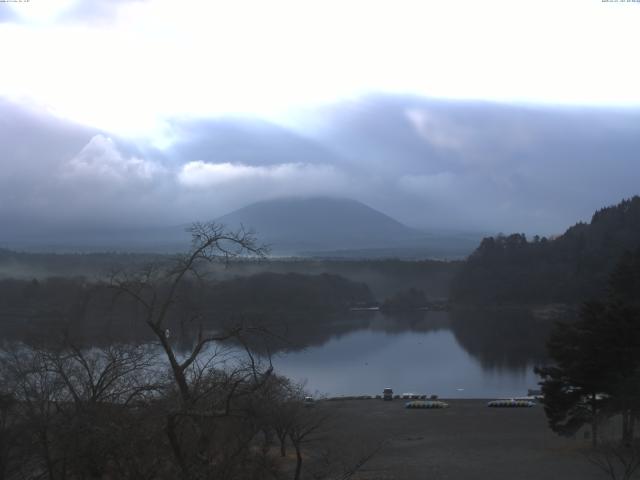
x=466, y=441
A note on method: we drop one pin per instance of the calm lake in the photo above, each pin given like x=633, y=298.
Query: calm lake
x=454, y=355
x=464, y=353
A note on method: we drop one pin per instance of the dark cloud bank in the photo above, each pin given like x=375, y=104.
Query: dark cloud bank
x=433, y=165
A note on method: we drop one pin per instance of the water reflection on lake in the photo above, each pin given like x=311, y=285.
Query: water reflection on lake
x=470, y=353
x=459, y=354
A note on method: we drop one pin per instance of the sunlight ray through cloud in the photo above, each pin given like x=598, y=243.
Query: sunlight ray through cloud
x=159, y=58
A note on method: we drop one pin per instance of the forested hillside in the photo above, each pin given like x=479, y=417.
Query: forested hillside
x=569, y=268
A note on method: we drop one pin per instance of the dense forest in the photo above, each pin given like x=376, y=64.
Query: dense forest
x=593, y=376
x=513, y=270
x=384, y=276
x=77, y=306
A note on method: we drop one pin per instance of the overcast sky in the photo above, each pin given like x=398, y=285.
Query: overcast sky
x=491, y=115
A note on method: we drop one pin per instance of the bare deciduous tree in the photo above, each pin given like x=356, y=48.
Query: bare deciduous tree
x=10, y=435
x=205, y=409
x=213, y=400
x=305, y=423
x=618, y=460
x=77, y=407
x=156, y=289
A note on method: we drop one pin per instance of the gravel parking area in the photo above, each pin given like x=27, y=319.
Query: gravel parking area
x=468, y=440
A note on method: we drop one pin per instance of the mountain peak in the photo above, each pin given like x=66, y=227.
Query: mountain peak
x=296, y=224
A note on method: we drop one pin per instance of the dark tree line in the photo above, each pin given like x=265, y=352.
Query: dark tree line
x=596, y=370
x=86, y=310
x=511, y=269
x=269, y=292
x=384, y=276
x=405, y=300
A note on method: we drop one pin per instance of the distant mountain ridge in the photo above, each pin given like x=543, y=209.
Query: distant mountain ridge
x=297, y=224
x=325, y=227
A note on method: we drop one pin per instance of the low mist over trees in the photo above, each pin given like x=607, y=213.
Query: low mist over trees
x=383, y=276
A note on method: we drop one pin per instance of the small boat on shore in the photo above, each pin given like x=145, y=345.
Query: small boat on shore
x=510, y=403
x=426, y=404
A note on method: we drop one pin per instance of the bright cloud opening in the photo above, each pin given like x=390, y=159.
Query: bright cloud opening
x=158, y=59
